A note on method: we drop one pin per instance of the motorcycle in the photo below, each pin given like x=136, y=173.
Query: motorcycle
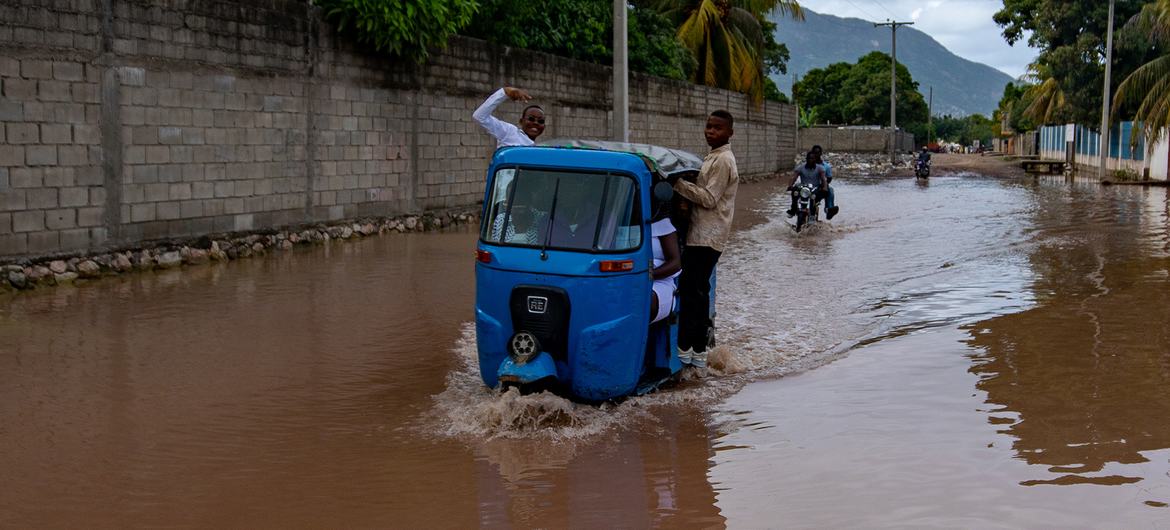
x=808, y=206
x=922, y=169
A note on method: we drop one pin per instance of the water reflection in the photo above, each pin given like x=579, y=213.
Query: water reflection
x=653, y=475
x=1080, y=379
x=266, y=391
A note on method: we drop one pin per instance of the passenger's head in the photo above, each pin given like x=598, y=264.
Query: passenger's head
x=532, y=121
x=720, y=127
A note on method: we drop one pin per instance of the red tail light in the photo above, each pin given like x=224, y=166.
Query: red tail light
x=617, y=266
x=483, y=256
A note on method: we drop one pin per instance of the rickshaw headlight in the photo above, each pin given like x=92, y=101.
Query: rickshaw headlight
x=523, y=346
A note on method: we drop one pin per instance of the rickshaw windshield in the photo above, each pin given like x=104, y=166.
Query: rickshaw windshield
x=582, y=211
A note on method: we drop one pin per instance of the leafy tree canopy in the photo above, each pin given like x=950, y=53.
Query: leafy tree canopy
x=859, y=94
x=1070, y=35
x=1013, y=103
x=407, y=29
x=1145, y=94
x=965, y=130
x=583, y=30
x=724, y=43
x=732, y=41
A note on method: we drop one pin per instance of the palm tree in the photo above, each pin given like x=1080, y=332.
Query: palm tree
x=1045, y=94
x=726, y=38
x=1149, y=86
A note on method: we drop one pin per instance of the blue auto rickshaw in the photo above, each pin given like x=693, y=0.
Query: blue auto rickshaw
x=563, y=269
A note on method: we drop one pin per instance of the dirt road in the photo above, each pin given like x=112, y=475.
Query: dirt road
x=948, y=163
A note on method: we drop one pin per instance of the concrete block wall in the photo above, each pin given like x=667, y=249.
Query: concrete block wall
x=854, y=140
x=51, y=183
x=124, y=121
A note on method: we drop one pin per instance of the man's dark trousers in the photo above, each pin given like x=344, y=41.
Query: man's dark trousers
x=694, y=297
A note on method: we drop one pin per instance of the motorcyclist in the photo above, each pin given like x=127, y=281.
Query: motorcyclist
x=924, y=156
x=809, y=173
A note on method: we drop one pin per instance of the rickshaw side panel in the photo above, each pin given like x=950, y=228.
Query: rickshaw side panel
x=607, y=355
x=493, y=327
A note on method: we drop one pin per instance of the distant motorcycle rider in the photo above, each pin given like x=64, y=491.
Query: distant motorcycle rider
x=922, y=167
x=924, y=155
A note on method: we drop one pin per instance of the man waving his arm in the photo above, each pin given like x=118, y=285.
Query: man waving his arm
x=524, y=132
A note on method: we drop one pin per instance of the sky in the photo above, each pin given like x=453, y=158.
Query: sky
x=965, y=27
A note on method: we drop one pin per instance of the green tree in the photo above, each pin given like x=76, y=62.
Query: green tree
x=729, y=39
x=654, y=48
x=583, y=30
x=406, y=29
x=776, y=58
x=819, y=88
x=807, y=116
x=1012, y=103
x=1045, y=96
x=578, y=29
x=859, y=94
x=1070, y=35
x=966, y=129
x=1147, y=89
x=772, y=92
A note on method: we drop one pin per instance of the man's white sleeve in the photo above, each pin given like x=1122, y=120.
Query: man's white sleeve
x=483, y=115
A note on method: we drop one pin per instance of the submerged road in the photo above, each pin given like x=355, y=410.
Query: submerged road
x=968, y=352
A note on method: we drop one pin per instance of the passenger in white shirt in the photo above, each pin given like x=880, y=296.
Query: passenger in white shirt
x=667, y=266
x=524, y=133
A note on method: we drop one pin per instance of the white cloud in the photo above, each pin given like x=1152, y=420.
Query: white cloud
x=965, y=27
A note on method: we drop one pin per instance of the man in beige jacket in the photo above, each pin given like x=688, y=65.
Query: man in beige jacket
x=713, y=198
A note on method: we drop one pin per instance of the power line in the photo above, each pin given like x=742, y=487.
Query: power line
x=844, y=24
x=867, y=13
x=884, y=7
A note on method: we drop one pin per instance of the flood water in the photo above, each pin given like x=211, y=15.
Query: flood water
x=972, y=352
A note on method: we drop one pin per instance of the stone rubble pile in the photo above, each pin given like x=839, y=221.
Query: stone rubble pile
x=221, y=248
x=863, y=164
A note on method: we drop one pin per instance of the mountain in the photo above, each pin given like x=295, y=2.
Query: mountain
x=961, y=87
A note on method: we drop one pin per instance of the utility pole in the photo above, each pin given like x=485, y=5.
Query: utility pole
x=1104, y=152
x=621, y=75
x=930, y=117
x=893, y=85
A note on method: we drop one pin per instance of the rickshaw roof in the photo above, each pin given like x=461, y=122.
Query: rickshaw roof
x=598, y=154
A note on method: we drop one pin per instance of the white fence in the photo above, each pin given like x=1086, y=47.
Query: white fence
x=1081, y=146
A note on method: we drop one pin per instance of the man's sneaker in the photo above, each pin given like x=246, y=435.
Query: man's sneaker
x=831, y=212
x=699, y=359
x=686, y=356
x=791, y=213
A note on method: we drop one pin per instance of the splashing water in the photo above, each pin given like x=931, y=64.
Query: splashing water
x=790, y=301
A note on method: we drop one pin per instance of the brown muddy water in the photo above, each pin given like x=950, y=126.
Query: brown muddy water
x=969, y=353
